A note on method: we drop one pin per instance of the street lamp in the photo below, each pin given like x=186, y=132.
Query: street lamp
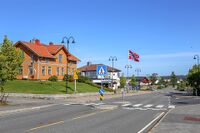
x=127, y=68
x=196, y=57
x=113, y=59
x=68, y=41
x=138, y=70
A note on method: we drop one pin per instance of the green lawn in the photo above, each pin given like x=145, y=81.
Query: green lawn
x=46, y=87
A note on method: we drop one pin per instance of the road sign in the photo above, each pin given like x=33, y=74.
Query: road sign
x=101, y=91
x=75, y=74
x=101, y=70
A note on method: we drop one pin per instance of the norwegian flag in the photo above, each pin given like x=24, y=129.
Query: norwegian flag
x=133, y=56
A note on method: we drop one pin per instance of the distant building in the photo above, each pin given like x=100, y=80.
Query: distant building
x=89, y=71
x=41, y=61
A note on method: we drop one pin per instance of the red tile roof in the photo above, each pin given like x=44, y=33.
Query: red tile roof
x=47, y=51
x=93, y=67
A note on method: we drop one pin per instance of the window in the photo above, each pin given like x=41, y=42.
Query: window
x=46, y=60
x=32, y=58
x=30, y=70
x=49, y=70
x=72, y=71
x=43, y=70
x=60, y=58
x=62, y=70
x=20, y=70
x=57, y=71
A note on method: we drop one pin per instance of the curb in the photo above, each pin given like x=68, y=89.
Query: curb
x=149, y=126
x=67, y=96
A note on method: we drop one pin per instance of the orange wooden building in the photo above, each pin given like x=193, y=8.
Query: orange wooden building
x=41, y=61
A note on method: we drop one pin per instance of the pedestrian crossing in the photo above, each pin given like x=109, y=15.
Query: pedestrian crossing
x=141, y=106
x=129, y=105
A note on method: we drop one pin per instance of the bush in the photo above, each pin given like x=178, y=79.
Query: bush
x=83, y=79
x=53, y=78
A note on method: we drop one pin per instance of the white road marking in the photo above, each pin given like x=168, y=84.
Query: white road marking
x=159, y=106
x=137, y=105
x=125, y=105
x=148, y=105
x=121, y=102
x=171, y=106
x=158, y=117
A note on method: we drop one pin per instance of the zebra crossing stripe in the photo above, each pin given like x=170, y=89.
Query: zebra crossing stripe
x=125, y=105
x=148, y=105
x=159, y=106
x=171, y=106
x=137, y=105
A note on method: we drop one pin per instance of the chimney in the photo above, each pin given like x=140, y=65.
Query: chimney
x=37, y=41
x=89, y=63
x=50, y=43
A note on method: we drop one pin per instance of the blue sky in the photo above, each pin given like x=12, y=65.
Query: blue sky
x=165, y=33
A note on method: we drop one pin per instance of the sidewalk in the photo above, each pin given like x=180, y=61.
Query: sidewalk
x=182, y=119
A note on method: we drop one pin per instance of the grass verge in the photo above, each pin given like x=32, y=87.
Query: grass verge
x=46, y=87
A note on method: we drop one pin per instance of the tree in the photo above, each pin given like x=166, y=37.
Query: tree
x=3, y=72
x=12, y=58
x=153, y=78
x=173, y=79
x=122, y=81
x=193, y=78
x=133, y=81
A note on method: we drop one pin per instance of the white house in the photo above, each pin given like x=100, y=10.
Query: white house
x=89, y=71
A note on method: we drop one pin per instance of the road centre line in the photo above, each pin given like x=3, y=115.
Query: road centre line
x=158, y=117
x=62, y=122
x=44, y=126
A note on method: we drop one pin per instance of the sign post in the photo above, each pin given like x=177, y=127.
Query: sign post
x=102, y=72
x=75, y=78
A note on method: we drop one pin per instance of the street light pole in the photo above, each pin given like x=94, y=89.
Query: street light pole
x=127, y=67
x=67, y=42
x=138, y=70
x=197, y=57
x=113, y=59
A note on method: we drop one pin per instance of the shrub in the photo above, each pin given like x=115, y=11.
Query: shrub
x=53, y=78
x=83, y=79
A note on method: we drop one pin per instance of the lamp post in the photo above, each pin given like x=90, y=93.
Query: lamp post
x=196, y=57
x=138, y=70
x=127, y=68
x=68, y=41
x=113, y=59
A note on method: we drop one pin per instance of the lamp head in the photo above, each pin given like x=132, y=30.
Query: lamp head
x=73, y=41
x=63, y=41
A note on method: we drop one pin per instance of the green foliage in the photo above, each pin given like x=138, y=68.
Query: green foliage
x=70, y=78
x=133, y=81
x=83, y=79
x=122, y=81
x=162, y=82
x=53, y=78
x=193, y=79
x=46, y=87
x=3, y=71
x=153, y=78
x=182, y=85
x=12, y=58
x=173, y=79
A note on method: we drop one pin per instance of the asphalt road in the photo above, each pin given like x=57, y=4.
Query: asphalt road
x=132, y=115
